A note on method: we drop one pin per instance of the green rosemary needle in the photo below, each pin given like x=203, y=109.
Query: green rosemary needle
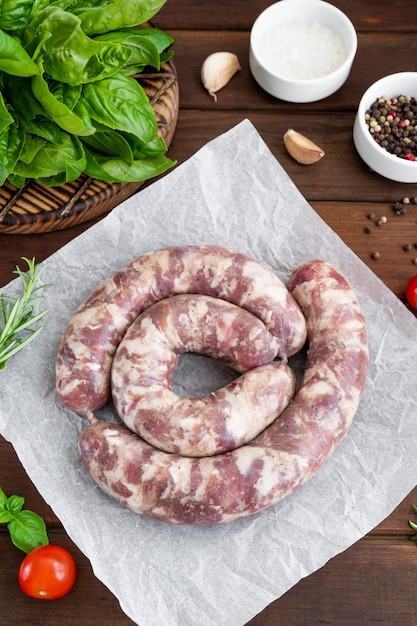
x=19, y=315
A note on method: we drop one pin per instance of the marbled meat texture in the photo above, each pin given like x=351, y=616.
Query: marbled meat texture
x=145, y=361
x=222, y=488
x=93, y=334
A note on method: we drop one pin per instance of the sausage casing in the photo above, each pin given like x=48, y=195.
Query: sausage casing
x=88, y=345
x=241, y=482
x=145, y=361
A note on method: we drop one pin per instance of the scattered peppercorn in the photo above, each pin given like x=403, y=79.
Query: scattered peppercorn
x=381, y=220
x=407, y=247
x=375, y=255
x=405, y=200
x=393, y=124
x=400, y=208
x=371, y=216
x=414, y=200
x=369, y=230
x=415, y=261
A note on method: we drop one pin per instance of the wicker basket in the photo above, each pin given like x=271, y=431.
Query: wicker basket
x=37, y=208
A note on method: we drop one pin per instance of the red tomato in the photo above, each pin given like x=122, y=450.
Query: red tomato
x=47, y=573
x=411, y=292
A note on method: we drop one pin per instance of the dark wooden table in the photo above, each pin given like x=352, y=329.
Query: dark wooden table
x=375, y=581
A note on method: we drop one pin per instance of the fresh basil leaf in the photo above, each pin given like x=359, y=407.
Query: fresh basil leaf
x=14, y=14
x=15, y=503
x=11, y=145
x=41, y=127
x=38, y=5
x=118, y=170
x=121, y=103
x=62, y=4
x=28, y=531
x=58, y=100
x=142, y=51
x=68, y=55
x=43, y=160
x=13, y=57
x=31, y=147
x=29, y=114
x=140, y=149
x=77, y=6
x=68, y=94
x=59, y=85
x=111, y=143
x=18, y=182
x=151, y=148
x=18, y=92
x=159, y=38
x=106, y=16
x=5, y=118
x=125, y=145
x=74, y=167
x=5, y=516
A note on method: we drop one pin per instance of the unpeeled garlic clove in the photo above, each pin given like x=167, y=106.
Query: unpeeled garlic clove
x=217, y=70
x=301, y=148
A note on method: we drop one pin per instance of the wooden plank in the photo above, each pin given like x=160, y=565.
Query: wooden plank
x=374, y=581
x=89, y=603
x=395, y=266
x=15, y=481
x=378, y=54
x=382, y=16
x=334, y=594
x=327, y=185
x=368, y=584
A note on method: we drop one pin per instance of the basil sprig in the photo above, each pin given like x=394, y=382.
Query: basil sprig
x=27, y=529
x=66, y=75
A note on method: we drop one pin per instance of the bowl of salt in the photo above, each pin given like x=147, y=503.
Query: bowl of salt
x=302, y=50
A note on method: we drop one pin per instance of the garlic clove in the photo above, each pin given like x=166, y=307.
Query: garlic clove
x=217, y=70
x=301, y=148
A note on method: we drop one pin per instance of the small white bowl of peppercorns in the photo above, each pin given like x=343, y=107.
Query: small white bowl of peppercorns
x=385, y=128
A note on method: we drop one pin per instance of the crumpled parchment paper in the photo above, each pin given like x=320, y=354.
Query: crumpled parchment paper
x=233, y=193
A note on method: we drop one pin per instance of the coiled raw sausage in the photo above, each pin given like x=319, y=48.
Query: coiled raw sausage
x=145, y=361
x=88, y=345
x=222, y=488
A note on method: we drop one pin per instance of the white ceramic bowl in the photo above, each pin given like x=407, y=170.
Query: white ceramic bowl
x=298, y=14
x=378, y=159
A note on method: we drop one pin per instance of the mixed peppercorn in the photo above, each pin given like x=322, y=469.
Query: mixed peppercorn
x=400, y=208
x=393, y=124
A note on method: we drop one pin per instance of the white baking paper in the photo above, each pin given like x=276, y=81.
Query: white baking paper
x=233, y=193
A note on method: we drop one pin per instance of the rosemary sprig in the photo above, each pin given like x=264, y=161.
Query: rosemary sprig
x=412, y=524
x=19, y=315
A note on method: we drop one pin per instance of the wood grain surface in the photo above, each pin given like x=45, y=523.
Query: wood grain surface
x=375, y=581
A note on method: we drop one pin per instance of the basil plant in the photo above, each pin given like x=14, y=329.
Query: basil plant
x=69, y=100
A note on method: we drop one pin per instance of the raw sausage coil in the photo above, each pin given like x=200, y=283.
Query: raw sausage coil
x=241, y=482
x=145, y=361
x=88, y=345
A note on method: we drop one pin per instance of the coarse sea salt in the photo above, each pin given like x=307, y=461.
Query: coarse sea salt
x=302, y=50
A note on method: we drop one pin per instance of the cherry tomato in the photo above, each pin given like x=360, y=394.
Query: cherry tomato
x=411, y=292
x=47, y=573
